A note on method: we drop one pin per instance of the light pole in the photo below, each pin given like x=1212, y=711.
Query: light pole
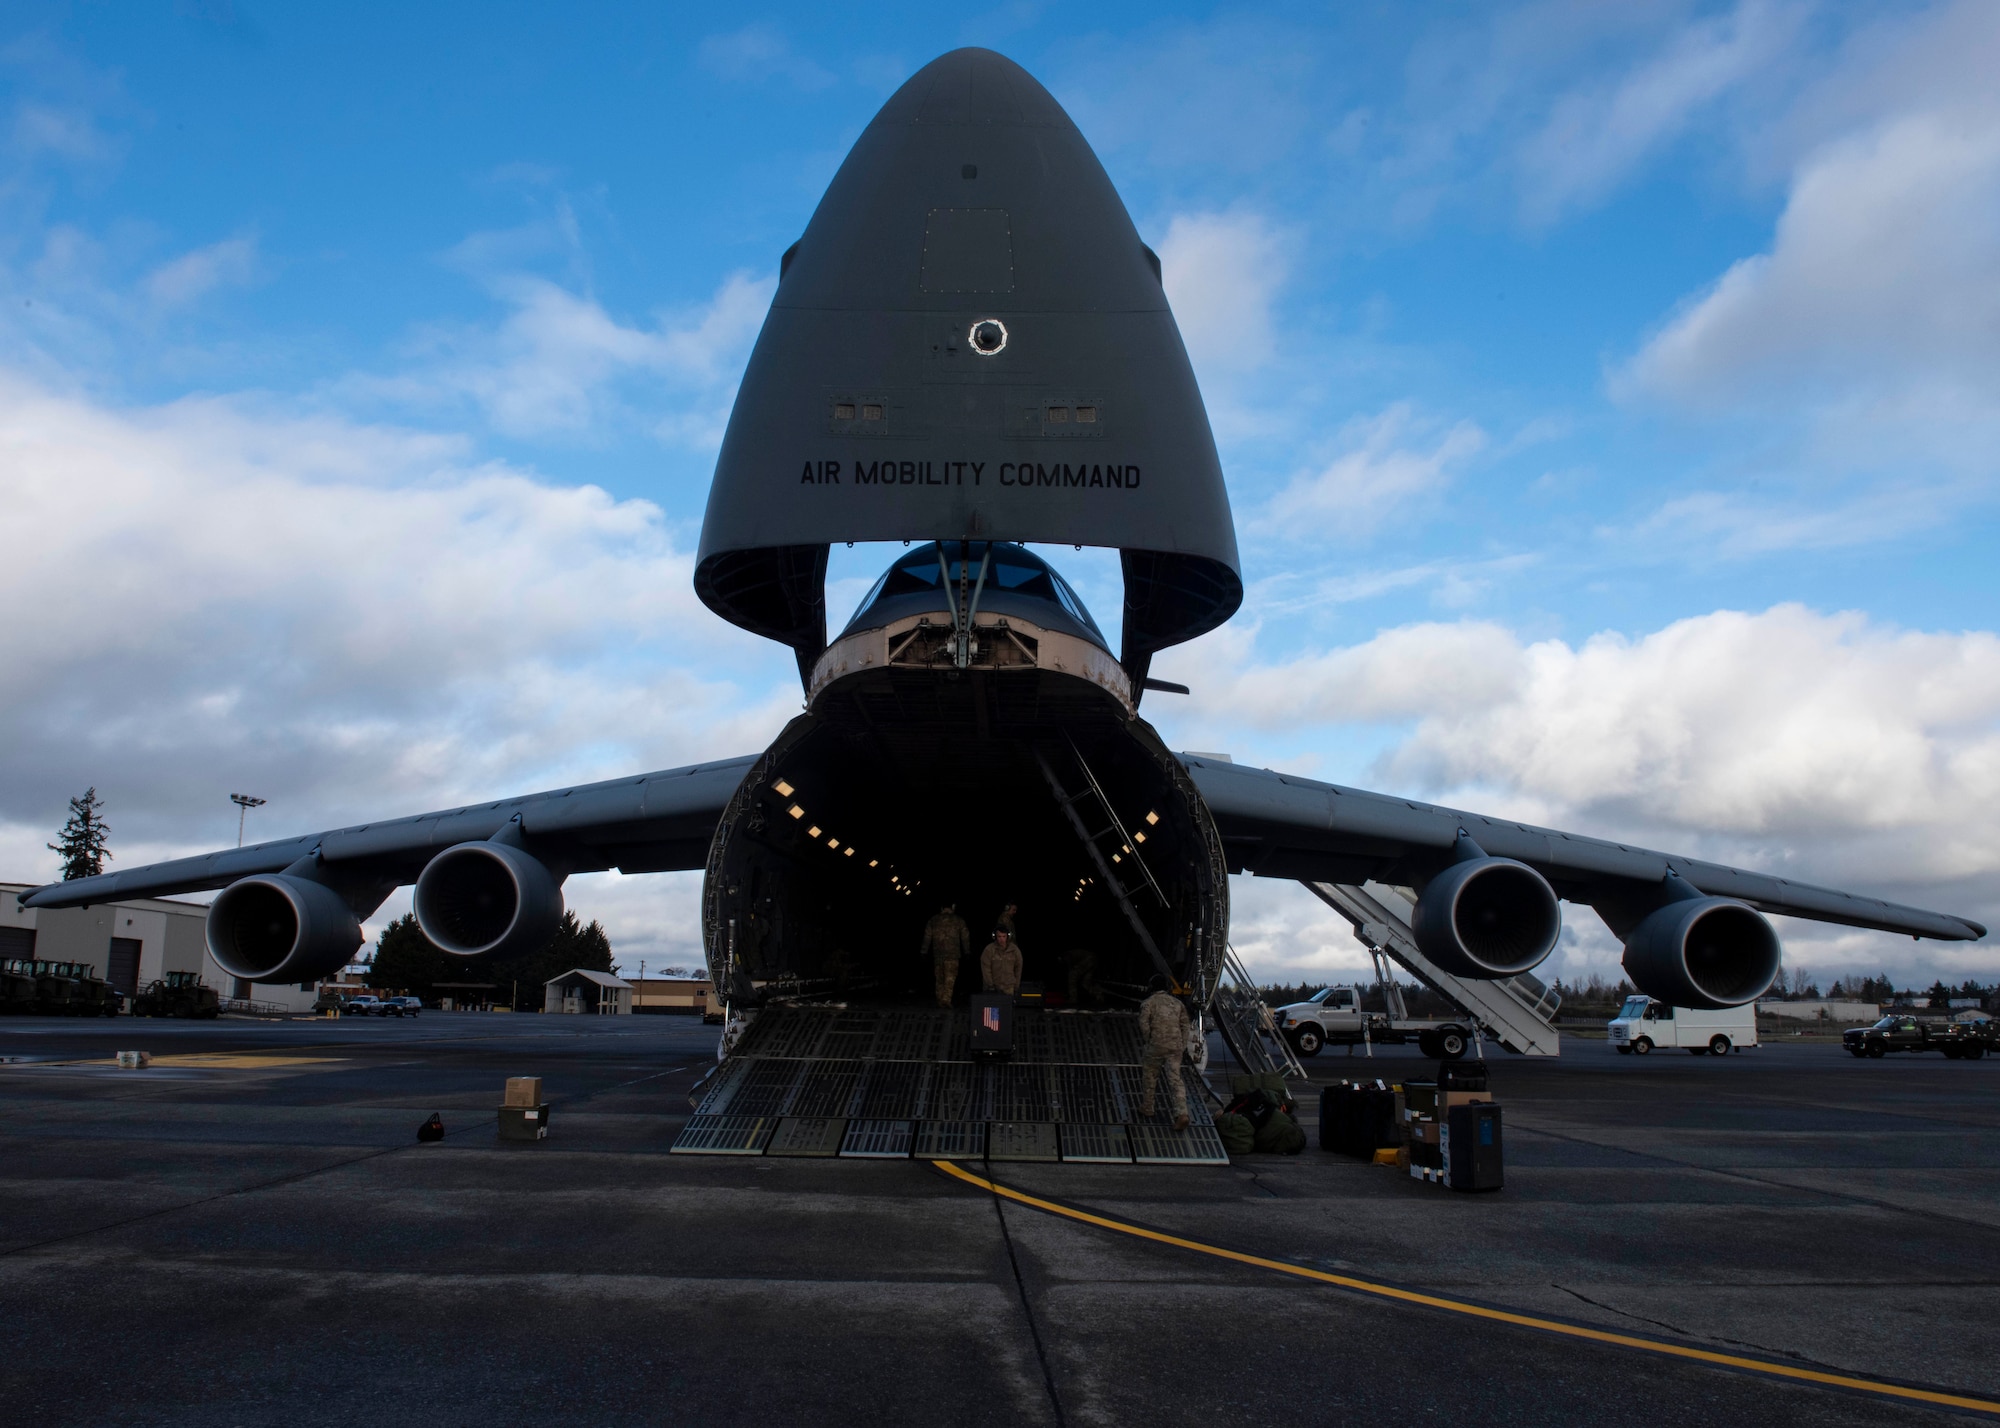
x=244, y=803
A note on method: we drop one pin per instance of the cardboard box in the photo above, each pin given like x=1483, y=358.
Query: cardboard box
x=1424, y=1133
x=524, y=1122
x=523, y=1091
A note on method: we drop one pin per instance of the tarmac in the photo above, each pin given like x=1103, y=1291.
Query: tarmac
x=247, y=1232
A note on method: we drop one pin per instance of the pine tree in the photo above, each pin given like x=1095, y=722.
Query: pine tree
x=82, y=847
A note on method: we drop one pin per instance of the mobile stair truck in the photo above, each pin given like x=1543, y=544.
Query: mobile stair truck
x=1644, y=1023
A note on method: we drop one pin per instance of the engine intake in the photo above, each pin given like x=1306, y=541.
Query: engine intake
x=279, y=927
x=1706, y=952
x=1486, y=917
x=485, y=897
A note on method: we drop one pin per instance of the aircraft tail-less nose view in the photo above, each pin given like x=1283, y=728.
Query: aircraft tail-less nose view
x=972, y=691
x=969, y=359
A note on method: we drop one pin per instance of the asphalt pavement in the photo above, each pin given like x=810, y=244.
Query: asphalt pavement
x=247, y=1232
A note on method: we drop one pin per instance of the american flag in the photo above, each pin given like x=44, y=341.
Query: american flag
x=991, y=1017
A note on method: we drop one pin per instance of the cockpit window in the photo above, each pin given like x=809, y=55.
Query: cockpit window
x=1013, y=569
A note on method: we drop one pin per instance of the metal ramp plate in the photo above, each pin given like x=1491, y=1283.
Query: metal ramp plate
x=727, y=1079
x=808, y=1135
x=877, y=1140
x=825, y=1088
x=1096, y=1144
x=1021, y=1140
x=1163, y=1145
x=950, y=1140
x=725, y=1135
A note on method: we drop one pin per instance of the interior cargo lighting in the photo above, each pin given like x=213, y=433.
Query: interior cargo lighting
x=873, y=861
x=1138, y=837
x=833, y=842
x=796, y=811
x=813, y=832
x=1124, y=847
x=784, y=789
x=1152, y=818
x=1117, y=857
x=848, y=851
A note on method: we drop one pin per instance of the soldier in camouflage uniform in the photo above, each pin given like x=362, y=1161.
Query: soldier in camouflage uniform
x=1000, y=965
x=946, y=940
x=1163, y=1031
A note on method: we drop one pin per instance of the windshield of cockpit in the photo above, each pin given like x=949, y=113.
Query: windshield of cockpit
x=1013, y=569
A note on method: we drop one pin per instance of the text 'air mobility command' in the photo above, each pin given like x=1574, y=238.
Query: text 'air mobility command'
x=1056, y=474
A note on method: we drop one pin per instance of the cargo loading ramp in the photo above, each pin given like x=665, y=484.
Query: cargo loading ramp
x=1519, y=1012
x=899, y=1083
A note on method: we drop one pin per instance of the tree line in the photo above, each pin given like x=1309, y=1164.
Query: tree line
x=407, y=959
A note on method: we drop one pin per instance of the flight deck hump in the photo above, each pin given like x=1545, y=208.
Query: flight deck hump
x=970, y=340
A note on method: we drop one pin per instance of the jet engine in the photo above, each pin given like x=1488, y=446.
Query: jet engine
x=1707, y=952
x=281, y=927
x=488, y=897
x=1486, y=917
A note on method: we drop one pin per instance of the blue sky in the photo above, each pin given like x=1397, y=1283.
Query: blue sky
x=1606, y=395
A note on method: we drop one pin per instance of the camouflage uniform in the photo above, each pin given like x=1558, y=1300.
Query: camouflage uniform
x=1163, y=1028
x=1081, y=963
x=1000, y=968
x=946, y=941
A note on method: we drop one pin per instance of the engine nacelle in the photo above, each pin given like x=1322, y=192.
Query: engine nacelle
x=488, y=897
x=1487, y=917
x=1707, y=952
x=278, y=927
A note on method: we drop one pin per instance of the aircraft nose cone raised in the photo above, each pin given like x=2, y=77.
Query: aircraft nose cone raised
x=973, y=86
x=970, y=340
x=971, y=192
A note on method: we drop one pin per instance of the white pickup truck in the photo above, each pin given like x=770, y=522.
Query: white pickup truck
x=1643, y=1023
x=1343, y=1017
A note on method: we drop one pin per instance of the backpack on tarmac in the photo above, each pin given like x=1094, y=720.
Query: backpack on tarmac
x=1257, y=1107
x=1280, y=1135
x=1239, y=1137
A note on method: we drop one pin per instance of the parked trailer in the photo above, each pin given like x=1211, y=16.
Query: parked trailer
x=1643, y=1023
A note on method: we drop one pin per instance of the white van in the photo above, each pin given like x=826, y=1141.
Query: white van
x=1642, y=1024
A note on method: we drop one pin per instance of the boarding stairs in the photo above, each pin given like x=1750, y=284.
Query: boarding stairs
x=1519, y=1011
x=1238, y=1010
x=1244, y=1020
x=1110, y=845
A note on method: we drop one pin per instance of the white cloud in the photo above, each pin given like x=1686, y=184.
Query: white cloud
x=761, y=52
x=560, y=364
x=349, y=620
x=64, y=131
x=195, y=274
x=1598, y=134
x=1222, y=273
x=1886, y=263
x=1874, y=316
x=1827, y=748
x=1392, y=462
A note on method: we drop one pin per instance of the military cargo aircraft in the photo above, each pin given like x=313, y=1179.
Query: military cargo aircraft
x=970, y=352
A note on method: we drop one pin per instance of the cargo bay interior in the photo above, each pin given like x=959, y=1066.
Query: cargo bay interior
x=877, y=808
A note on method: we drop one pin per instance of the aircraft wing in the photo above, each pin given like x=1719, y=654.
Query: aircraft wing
x=1284, y=826
x=646, y=823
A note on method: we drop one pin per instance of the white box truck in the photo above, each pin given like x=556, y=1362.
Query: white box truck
x=1642, y=1024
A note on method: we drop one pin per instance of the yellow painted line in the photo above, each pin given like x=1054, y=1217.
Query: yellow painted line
x=244, y=1060
x=1769, y=1367
x=207, y=1061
